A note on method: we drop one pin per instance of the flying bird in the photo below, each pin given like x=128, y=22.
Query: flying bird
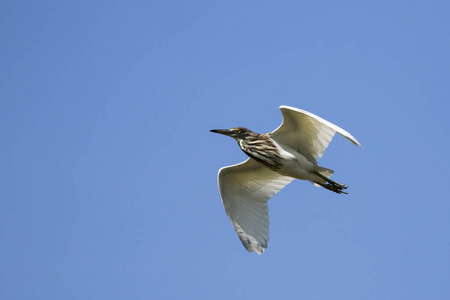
x=275, y=159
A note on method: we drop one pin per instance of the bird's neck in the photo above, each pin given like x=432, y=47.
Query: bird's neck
x=261, y=148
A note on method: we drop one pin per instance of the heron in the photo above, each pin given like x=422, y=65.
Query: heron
x=275, y=159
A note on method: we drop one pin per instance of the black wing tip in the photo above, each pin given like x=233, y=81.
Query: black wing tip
x=357, y=144
x=258, y=248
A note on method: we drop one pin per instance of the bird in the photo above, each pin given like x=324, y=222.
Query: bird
x=275, y=159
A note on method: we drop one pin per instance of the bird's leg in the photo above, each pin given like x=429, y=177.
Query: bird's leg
x=330, y=181
x=331, y=185
x=333, y=188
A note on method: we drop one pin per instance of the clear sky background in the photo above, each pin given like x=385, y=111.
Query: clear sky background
x=108, y=169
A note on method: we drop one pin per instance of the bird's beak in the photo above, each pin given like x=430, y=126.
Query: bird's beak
x=222, y=131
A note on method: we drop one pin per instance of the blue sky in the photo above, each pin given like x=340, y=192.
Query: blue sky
x=108, y=168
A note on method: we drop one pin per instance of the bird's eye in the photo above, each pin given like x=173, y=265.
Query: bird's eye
x=238, y=131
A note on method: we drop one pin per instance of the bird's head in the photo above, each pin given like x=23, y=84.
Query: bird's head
x=236, y=132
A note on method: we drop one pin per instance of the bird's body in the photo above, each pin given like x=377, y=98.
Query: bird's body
x=275, y=159
x=276, y=156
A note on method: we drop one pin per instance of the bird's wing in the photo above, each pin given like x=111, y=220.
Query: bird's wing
x=245, y=189
x=307, y=133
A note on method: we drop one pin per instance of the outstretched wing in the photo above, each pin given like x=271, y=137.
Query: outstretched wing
x=245, y=189
x=307, y=133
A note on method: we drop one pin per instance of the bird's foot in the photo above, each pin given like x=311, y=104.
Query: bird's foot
x=335, y=187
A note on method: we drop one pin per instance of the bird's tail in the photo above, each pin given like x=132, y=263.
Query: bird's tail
x=324, y=171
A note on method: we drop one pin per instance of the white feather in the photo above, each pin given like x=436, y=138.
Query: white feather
x=307, y=133
x=245, y=189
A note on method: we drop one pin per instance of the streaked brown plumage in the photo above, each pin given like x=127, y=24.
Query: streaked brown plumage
x=261, y=148
x=291, y=151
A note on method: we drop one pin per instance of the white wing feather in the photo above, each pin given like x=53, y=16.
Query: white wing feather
x=307, y=133
x=245, y=189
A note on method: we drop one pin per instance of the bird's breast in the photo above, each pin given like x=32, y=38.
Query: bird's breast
x=263, y=151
